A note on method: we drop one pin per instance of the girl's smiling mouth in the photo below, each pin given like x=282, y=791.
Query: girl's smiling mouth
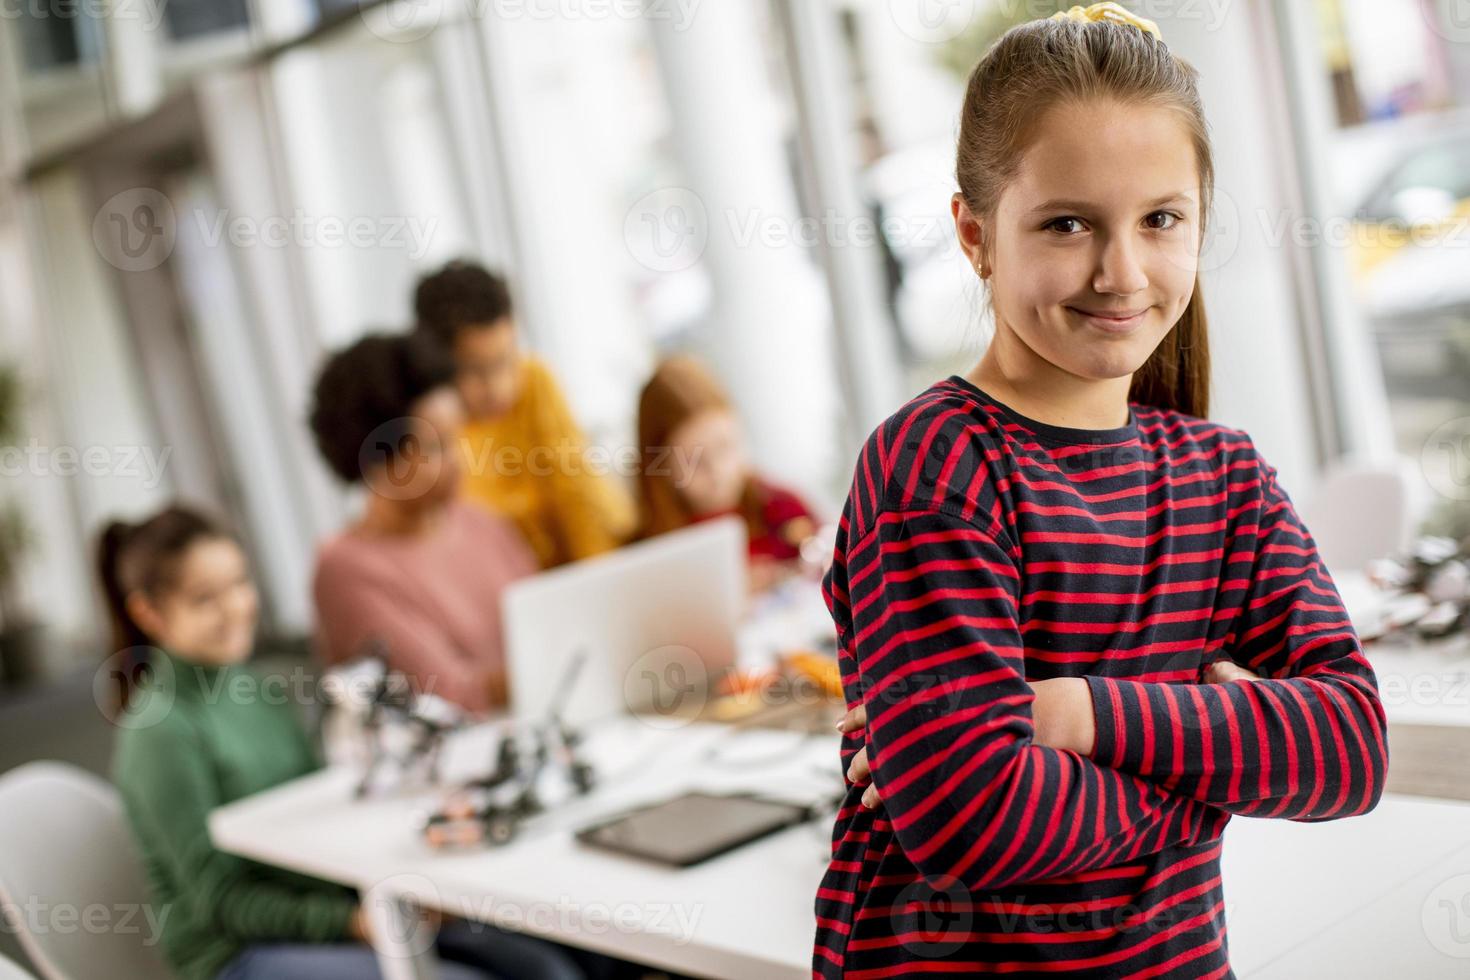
x=1112, y=321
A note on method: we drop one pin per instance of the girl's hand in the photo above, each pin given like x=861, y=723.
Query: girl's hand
x=857, y=770
x=358, y=928
x=1061, y=714
x=1224, y=671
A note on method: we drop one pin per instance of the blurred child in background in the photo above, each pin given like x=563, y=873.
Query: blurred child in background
x=694, y=465
x=523, y=452
x=200, y=733
x=422, y=570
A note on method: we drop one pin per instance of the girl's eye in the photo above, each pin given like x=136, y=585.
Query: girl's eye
x=1173, y=219
x=1053, y=223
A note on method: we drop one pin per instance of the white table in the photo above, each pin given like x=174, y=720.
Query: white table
x=1421, y=682
x=1372, y=896
x=748, y=913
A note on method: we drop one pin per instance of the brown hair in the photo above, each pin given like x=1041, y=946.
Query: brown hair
x=145, y=558
x=1038, y=65
x=679, y=390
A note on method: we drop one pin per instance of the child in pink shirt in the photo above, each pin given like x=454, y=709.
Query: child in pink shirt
x=420, y=574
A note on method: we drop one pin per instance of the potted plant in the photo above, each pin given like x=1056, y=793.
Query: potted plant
x=21, y=658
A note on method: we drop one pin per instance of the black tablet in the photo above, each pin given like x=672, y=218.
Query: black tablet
x=693, y=827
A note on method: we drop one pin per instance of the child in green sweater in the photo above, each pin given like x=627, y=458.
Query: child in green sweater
x=196, y=732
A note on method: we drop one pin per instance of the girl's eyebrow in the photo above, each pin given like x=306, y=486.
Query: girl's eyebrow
x=1066, y=205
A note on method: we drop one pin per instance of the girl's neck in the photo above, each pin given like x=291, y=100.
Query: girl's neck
x=396, y=518
x=1020, y=378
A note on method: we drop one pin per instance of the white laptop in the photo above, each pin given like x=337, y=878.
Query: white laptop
x=653, y=625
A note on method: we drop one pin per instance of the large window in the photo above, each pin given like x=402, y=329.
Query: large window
x=1399, y=155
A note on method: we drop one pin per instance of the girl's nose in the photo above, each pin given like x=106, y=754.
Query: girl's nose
x=1119, y=271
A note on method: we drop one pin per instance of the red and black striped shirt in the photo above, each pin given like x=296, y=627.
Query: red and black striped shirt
x=979, y=550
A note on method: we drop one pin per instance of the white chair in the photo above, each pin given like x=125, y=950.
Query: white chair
x=1362, y=510
x=9, y=970
x=66, y=854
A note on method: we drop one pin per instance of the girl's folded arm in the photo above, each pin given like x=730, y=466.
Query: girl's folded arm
x=972, y=798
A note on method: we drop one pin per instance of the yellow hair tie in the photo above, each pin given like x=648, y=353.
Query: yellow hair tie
x=1111, y=12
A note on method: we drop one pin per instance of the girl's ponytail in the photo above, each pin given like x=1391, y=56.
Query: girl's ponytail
x=1177, y=374
x=110, y=546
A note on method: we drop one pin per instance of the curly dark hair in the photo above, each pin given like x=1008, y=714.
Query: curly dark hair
x=462, y=294
x=368, y=385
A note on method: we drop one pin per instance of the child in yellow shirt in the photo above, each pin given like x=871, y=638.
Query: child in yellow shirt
x=524, y=454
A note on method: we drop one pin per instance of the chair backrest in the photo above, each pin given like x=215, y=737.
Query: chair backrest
x=10, y=970
x=71, y=878
x=1362, y=510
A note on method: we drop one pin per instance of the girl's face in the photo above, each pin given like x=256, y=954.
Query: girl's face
x=210, y=612
x=424, y=470
x=1095, y=244
x=488, y=368
x=709, y=460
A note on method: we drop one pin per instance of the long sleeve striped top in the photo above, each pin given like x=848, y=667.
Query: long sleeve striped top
x=980, y=550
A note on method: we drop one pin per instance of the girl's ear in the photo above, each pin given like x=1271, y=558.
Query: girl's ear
x=144, y=614
x=969, y=231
